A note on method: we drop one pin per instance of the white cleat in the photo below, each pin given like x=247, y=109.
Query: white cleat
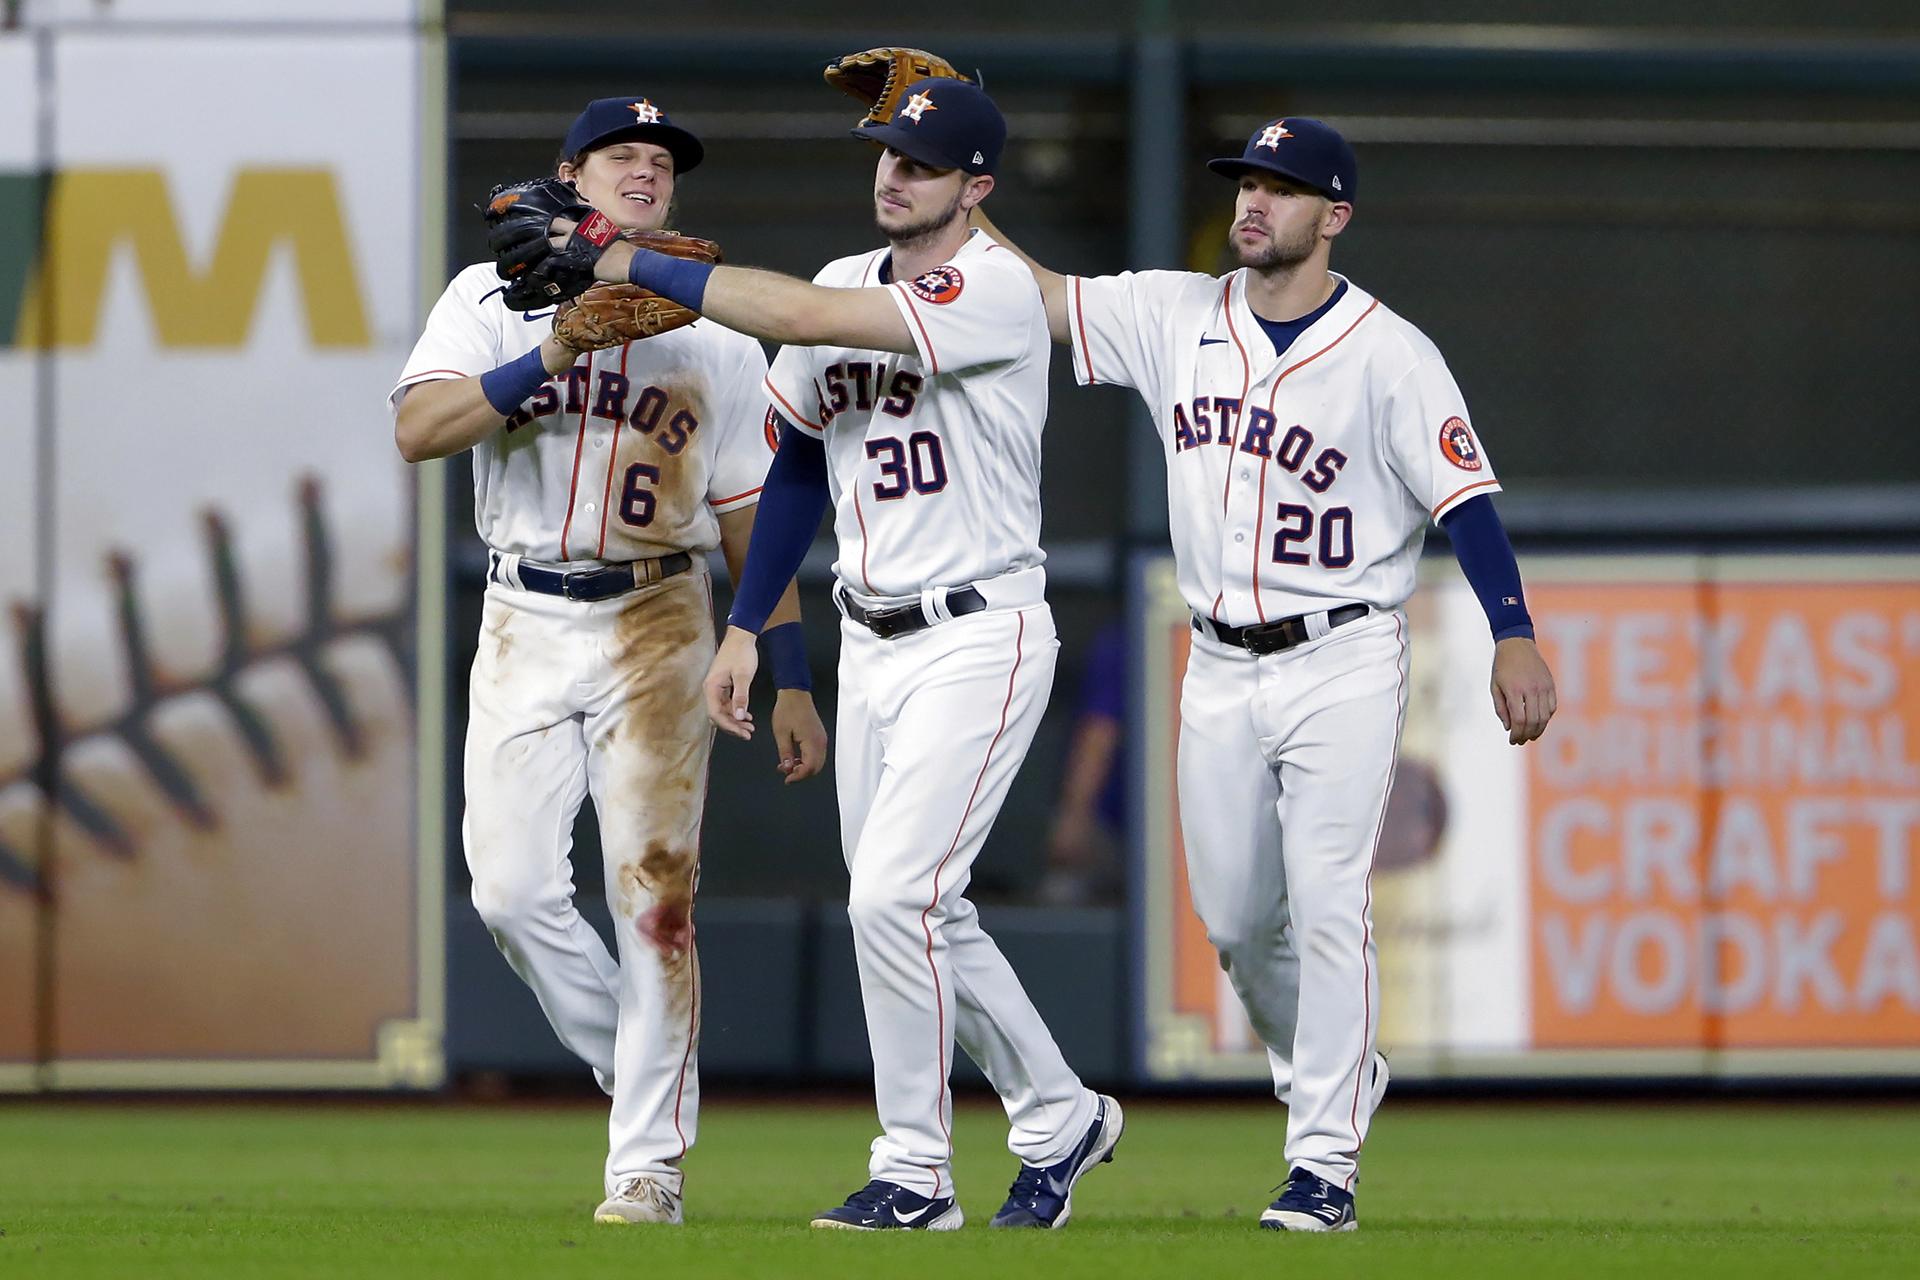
x=640, y=1200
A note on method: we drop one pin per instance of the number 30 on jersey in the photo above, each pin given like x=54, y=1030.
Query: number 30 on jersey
x=914, y=465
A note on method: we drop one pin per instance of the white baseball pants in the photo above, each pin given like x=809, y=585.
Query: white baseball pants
x=1285, y=762
x=571, y=698
x=931, y=729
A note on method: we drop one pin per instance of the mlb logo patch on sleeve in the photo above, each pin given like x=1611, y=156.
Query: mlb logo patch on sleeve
x=940, y=285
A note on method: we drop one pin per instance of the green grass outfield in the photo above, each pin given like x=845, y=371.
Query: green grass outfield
x=1523, y=1190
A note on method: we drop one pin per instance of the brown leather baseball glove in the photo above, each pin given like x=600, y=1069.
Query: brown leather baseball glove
x=612, y=315
x=877, y=77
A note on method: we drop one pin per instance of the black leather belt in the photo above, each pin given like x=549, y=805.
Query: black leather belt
x=599, y=584
x=1276, y=637
x=905, y=619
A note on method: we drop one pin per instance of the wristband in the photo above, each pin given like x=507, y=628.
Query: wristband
x=506, y=387
x=680, y=280
x=786, y=650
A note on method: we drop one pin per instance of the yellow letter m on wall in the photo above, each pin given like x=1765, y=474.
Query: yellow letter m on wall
x=92, y=213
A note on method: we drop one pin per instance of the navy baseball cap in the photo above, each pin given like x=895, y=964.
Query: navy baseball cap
x=1305, y=150
x=610, y=120
x=945, y=123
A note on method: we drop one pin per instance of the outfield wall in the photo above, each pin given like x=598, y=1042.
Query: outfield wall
x=210, y=872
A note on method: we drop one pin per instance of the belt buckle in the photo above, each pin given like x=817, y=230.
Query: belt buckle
x=1263, y=642
x=566, y=587
x=1277, y=636
x=881, y=621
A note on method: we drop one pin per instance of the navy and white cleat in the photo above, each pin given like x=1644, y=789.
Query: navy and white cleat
x=888, y=1206
x=1043, y=1197
x=1310, y=1203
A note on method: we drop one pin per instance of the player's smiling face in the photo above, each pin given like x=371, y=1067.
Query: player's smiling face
x=911, y=199
x=1280, y=223
x=630, y=182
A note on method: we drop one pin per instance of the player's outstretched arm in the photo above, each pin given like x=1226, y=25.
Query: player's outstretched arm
x=1053, y=285
x=764, y=304
x=439, y=419
x=798, y=313
x=798, y=735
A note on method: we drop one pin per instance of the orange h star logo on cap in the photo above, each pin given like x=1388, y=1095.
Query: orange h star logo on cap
x=1271, y=135
x=648, y=113
x=918, y=105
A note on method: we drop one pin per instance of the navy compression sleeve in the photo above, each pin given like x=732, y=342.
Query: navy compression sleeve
x=792, y=500
x=1486, y=557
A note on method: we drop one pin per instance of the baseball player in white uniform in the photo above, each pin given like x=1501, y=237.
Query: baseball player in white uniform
x=1309, y=434
x=601, y=482
x=913, y=391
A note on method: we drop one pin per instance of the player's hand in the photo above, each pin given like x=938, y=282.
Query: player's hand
x=610, y=267
x=799, y=735
x=1523, y=694
x=728, y=681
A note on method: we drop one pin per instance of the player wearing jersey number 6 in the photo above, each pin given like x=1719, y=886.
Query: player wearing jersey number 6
x=913, y=389
x=1310, y=434
x=601, y=481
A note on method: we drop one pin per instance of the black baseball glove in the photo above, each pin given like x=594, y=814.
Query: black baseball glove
x=520, y=217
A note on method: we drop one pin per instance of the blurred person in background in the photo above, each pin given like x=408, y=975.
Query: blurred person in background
x=1087, y=844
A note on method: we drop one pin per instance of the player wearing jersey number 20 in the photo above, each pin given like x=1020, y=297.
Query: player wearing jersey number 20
x=601, y=482
x=1310, y=434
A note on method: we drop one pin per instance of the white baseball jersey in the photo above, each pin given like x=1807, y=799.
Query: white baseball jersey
x=1295, y=481
x=933, y=459
x=629, y=454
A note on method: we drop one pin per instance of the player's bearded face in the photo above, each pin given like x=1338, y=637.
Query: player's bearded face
x=911, y=201
x=1275, y=228
x=630, y=182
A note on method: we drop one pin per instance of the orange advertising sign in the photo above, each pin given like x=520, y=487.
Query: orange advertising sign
x=1721, y=821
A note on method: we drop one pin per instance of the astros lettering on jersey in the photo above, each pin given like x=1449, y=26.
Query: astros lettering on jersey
x=666, y=433
x=1288, y=491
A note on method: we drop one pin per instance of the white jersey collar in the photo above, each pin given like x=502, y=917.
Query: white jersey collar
x=976, y=243
x=1327, y=329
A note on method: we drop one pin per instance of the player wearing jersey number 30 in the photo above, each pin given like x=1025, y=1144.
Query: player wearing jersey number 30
x=601, y=481
x=914, y=388
x=1309, y=434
